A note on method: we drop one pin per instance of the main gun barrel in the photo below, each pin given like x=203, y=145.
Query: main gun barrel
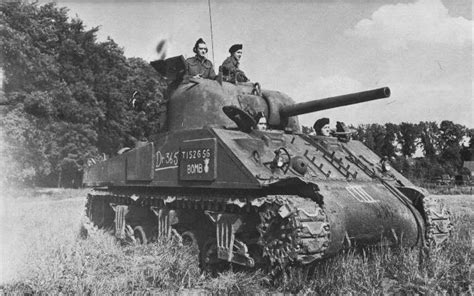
x=333, y=102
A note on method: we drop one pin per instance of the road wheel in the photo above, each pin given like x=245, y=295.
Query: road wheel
x=189, y=239
x=140, y=236
x=210, y=263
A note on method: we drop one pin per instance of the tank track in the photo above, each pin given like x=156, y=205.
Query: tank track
x=293, y=230
x=437, y=221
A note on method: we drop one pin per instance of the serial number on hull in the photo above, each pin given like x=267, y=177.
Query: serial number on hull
x=196, y=154
x=198, y=160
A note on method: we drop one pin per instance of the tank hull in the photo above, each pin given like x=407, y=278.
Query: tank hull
x=260, y=198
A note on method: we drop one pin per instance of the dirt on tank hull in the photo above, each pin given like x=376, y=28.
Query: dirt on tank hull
x=257, y=197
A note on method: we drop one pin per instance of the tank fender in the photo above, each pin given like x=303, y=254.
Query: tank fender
x=415, y=195
x=140, y=163
x=300, y=186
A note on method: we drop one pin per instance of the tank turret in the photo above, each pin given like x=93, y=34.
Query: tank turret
x=199, y=102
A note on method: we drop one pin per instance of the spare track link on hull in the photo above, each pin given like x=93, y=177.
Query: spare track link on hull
x=292, y=229
x=438, y=223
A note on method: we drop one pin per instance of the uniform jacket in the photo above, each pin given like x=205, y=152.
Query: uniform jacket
x=204, y=67
x=230, y=69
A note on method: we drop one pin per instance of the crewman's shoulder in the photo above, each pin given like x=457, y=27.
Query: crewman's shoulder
x=192, y=60
x=195, y=61
x=207, y=63
x=228, y=60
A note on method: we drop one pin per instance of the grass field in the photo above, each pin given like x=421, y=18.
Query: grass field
x=41, y=252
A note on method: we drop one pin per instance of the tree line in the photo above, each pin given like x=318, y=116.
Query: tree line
x=65, y=95
x=66, y=99
x=420, y=151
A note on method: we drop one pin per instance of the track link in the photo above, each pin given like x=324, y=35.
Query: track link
x=438, y=223
x=300, y=236
x=293, y=230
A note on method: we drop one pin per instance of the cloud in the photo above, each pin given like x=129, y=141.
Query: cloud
x=425, y=21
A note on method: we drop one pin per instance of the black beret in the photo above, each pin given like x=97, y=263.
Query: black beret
x=318, y=125
x=234, y=48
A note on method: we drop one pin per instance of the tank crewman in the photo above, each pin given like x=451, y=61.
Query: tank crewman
x=230, y=66
x=199, y=66
x=322, y=127
x=262, y=124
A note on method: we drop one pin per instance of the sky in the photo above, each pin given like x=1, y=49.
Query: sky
x=309, y=50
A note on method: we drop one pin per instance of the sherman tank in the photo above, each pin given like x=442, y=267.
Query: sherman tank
x=257, y=196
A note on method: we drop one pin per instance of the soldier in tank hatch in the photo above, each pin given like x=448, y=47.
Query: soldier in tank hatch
x=261, y=120
x=199, y=66
x=230, y=66
x=322, y=127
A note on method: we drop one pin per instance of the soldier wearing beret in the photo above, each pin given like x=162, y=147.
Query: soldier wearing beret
x=198, y=66
x=230, y=66
x=322, y=127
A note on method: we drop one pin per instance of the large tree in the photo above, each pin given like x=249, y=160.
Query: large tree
x=373, y=136
x=407, y=136
x=389, y=147
x=66, y=93
x=451, y=135
x=429, y=138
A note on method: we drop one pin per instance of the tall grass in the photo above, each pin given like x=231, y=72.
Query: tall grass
x=47, y=256
x=385, y=270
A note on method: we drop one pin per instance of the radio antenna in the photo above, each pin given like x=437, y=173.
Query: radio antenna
x=212, y=34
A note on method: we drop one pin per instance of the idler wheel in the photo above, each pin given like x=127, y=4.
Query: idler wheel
x=189, y=239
